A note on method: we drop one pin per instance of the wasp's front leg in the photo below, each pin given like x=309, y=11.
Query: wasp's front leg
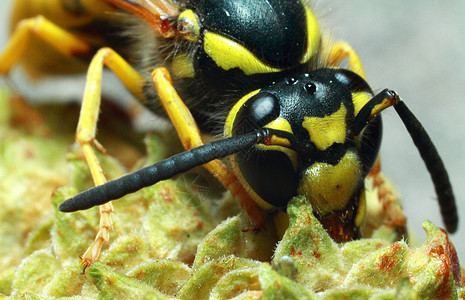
x=87, y=126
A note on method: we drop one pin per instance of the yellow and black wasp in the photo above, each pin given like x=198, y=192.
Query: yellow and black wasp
x=260, y=72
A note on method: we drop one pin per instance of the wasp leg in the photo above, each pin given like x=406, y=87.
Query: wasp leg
x=87, y=126
x=383, y=206
x=60, y=39
x=341, y=50
x=190, y=136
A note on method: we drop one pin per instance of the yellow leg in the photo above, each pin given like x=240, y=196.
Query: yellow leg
x=57, y=37
x=341, y=50
x=189, y=134
x=87, y=126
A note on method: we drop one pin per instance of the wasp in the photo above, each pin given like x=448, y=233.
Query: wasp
x=261, y=72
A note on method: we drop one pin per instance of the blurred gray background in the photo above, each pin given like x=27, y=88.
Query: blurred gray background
x=416, y=48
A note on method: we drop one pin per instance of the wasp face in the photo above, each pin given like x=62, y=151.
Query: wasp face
x=324, y=161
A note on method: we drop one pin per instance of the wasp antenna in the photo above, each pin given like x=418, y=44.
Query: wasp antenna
x=157, y=13
x=433, y=163
x=378, y=103
x=162, y=170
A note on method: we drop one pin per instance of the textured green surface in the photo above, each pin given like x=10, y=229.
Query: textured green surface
x=171, y=242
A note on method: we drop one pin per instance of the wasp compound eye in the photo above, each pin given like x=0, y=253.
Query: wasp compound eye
x=258, y=111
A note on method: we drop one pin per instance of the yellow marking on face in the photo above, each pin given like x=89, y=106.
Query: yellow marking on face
x=228, y=54
x=188, y=20
x=283, y=125
x=325, y=131
x=279, y=143
x=233, y=112
x=313, y=35
x=329, y=187
x=182, y=66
